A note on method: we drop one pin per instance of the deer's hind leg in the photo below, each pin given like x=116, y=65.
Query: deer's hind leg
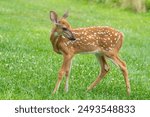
x=124, y=70
x=104, y=70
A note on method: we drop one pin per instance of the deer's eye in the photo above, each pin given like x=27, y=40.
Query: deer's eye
x=64, y=28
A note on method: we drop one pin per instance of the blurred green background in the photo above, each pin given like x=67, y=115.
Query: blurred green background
x=29, y=67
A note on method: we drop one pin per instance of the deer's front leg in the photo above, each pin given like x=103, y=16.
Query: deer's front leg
x=68, y=67
x=64, y=70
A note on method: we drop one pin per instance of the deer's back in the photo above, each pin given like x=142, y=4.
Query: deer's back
x=96, y=38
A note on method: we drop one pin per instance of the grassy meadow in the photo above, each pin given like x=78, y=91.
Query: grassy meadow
x=29, y=66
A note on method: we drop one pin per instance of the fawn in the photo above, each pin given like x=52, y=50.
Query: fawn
x=103, y=41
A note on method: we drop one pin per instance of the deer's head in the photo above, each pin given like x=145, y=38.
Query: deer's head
x=62, y=27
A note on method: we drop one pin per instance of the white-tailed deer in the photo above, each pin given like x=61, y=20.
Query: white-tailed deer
x=104, y=42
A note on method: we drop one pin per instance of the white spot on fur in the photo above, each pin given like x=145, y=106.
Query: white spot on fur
x=110, y=48
x=106, y=49
x=116, y=34
x=63, y=37
x=65, y=44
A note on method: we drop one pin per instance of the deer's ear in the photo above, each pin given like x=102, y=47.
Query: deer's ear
x=53, y=17
x=66, y=14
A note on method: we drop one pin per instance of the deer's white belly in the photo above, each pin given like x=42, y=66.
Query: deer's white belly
x=91, y=52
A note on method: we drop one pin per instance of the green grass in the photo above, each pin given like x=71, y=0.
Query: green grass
x=29, y=67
